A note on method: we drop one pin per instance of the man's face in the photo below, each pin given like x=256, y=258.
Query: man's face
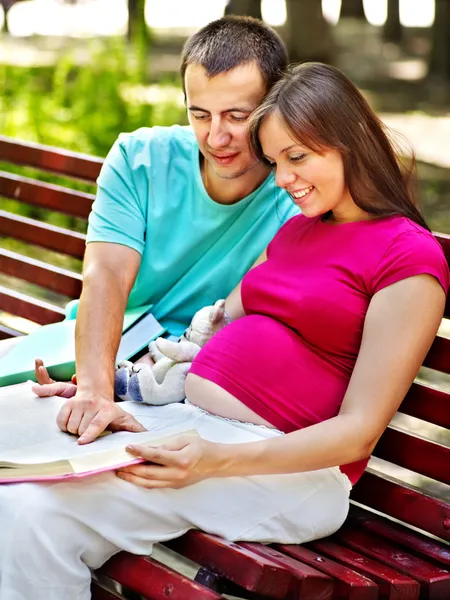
x=218, y=110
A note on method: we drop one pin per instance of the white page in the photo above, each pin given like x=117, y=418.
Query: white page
x=29, y=434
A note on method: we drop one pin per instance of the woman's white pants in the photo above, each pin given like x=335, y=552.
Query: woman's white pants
x=52, y=534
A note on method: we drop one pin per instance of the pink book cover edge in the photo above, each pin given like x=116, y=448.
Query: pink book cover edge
x=68, y=476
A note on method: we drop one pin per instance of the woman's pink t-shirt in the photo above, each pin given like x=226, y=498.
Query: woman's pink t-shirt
x=291, y=357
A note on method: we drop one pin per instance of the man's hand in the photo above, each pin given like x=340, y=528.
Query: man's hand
x=184, y=461
x=84, y=414
x=88, y=415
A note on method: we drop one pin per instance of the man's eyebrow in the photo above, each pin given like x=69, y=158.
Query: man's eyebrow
x=198, y=108
x=228, y=110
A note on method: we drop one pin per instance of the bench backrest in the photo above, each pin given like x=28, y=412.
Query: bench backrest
x=379, y=488
x=39, y=233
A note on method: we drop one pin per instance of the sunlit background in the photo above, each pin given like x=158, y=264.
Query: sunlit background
x=86, y=18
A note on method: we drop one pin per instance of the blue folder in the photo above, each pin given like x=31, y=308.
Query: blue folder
x=55, y=345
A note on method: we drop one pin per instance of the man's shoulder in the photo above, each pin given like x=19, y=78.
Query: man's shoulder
x=159, y=138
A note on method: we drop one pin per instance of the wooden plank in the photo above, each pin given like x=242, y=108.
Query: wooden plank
x=438, y=357
x=392, y=584
x=428, y=404
x=307, y=583
x=444, y=240
x=349, y=584
x=403, y=502
x=415, y=453
x=153, y=580
x=249, y=570
x=42, y=234
x=434, y=580
x=29, y=308
x=7, y=333
x=414, y=541
x=45, y=195
x=48, y=158
x=40, y=273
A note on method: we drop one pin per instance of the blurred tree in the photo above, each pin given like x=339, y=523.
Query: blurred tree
x=353, y=9
x=7, y=4
x=392, y=29
x=137, y=27
x=306, y=32
x=251, y=8
x=439, y=63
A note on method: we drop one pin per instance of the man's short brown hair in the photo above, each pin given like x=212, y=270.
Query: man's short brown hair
x=231, y=41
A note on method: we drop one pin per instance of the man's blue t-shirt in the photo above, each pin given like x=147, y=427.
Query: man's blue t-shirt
x=194, y=251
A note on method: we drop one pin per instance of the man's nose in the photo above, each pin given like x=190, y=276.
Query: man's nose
x=218, y=136
x=284, y=178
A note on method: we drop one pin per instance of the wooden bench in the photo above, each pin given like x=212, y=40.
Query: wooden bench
x=395, y=542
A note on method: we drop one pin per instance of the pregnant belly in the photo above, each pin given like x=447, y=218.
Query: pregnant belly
x=217, y=401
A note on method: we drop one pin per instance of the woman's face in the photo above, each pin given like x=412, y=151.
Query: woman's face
x=316, y=182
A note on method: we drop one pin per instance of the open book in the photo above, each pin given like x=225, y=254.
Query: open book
x=33, y=448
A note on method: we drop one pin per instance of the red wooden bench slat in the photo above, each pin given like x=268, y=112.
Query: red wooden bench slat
x=403, y=502
x=428, y=404
x=45, y=195
x=444, y=240
x=154, y=580
x=7, y=332
x=348, y=584
x=393, y=585
x=249, y=570
x=308, y=583
x=434, y=579
x=42, y=234
x=415, y=453
x=33, y=309
x=41, y=273
x=438, y=357
x=55, y=160
x=414, y=541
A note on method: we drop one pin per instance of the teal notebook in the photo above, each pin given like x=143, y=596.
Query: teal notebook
x=55, y=345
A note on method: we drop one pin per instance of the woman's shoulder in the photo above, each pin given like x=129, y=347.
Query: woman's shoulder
x=410, y=249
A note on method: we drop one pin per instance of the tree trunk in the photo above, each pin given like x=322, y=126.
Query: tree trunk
x=137, y=27
x=439, y=65
x=353, y=9
x=248, y=8
x=392, y=29
x=307, y=34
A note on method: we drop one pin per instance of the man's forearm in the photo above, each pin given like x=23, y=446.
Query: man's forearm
x=98, y=332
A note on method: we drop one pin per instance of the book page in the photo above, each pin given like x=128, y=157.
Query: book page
x=29, y=433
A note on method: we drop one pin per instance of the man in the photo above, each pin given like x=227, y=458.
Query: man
x=180, y=215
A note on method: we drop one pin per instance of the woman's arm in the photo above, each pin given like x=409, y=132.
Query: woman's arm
x=399, y=329
x=233, y=303
x=400, y=326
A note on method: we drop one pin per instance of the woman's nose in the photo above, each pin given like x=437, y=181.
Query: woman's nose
x=284, y=178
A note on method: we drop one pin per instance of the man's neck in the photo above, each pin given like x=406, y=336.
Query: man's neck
x=230, y=191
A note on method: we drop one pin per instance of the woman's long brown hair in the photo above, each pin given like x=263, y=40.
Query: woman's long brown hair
x=323, y=110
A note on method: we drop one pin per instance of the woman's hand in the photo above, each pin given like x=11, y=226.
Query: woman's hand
x=46, y=386
x=182, y=462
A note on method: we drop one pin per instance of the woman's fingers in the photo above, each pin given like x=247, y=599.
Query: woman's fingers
x=41, y=373
x=57, y=388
